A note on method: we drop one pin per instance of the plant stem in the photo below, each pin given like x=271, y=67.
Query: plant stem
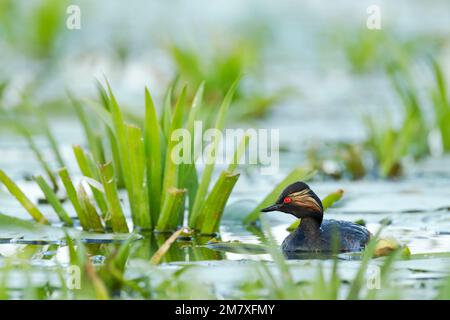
x=52, y=198
x=172, y=211
x=22, y=198
x=118, y=221
x=212, y=210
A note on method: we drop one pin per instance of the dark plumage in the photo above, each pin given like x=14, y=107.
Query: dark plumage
x=314, y=233
x=352, y=237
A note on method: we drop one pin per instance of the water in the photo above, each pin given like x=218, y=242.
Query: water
x=326, y=108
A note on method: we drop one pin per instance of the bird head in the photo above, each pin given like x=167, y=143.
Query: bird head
x=300, y=201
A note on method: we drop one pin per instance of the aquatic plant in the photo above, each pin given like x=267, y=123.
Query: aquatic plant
x=389, y=144
x=117, y=271
x=364, y=50
x=95, y=270
x=107, y=280
x=219, y=73
x=339, y=161
x=22, y=198
x=122, y=154
x=441, y=104
x=219, y=70
x=34, y=31
x=22, y=129
x=367, y=50
x=163, y=181
x=352, y=157
x=27, y=130
x=3, y=86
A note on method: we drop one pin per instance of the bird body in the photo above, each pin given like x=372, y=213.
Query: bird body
x=349, y=236
x=315, y=234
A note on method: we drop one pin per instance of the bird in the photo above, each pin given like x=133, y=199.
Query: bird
x=314, y=234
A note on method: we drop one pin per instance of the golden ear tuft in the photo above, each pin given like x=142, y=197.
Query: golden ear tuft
x=305, y=200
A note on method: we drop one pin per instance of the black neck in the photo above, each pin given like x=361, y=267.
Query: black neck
x=309, y=226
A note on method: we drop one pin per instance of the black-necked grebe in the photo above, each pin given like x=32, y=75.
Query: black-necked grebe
x=314, y=233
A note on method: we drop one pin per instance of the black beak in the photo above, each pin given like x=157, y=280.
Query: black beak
x=274, y=207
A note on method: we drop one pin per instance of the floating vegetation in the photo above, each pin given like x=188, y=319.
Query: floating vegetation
x=386, y=246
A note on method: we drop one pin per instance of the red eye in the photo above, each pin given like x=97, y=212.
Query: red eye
x=287, y=200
